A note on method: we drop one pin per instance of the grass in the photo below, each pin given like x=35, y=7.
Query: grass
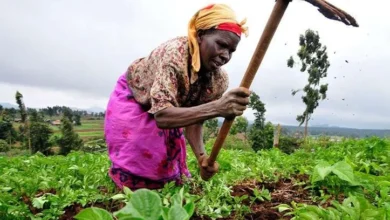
x=88, y=128
x=91, y=134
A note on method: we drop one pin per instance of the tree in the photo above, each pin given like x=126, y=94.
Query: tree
x=210, y=128
x=50, y=112
x=7, y=131
x=262, y=138
x=77, y=119
x=40, y=133
x=69, y=140
x=68, y=113
x=260, y=134
x=256, y=104
x=11, y=112
x=23, y=114
x=240, y=125
x=22, y=107
x=313, y=60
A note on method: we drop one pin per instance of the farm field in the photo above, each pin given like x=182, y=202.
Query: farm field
x=322, y=180
x=90, y=128
x=87, y=129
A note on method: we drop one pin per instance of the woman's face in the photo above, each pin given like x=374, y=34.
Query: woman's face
x=216, y=48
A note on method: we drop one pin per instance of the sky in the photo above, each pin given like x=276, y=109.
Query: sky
x=71, y=52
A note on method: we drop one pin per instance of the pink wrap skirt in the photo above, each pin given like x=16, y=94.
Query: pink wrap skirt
x=141, y=154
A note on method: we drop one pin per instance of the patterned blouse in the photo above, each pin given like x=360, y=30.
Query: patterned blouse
x=162, y=79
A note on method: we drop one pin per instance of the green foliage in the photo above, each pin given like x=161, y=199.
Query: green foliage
x=260, y=134
x=67, y=112
x=95, y=145
x=53, y=183
x=7, y=131
x=259, y=107
x=40, y=137
x=355, y=170
x=354, y=207
x=9, y=113
x=314, y=60
x=262, y=138
x=93, y=214
x=240, y=125
x=233, y=143
x=4, y=146
x=336, y=178
x=289, y=144
x=69, y=140
x=40, y=133
x=77, y=119
x=22, y=107
x=24, y=130
x=144, y=204
x=210, y=129
x=35, y=116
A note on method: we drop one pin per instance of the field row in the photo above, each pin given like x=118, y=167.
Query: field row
x=323, y=180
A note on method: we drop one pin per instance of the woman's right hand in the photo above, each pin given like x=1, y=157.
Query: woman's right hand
x=233, y=103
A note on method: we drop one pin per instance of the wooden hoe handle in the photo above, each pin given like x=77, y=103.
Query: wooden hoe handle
x=262, y=46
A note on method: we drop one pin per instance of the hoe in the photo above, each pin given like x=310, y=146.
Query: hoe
x=328, y=10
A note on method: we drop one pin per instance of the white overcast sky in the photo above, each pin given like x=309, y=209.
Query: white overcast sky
x=71, y=52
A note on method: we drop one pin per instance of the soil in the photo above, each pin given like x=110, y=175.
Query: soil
x=282, y=192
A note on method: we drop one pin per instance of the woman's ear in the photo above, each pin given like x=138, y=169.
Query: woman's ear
x=199, y=36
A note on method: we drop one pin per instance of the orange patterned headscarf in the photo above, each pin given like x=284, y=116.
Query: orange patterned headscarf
x=218, y=16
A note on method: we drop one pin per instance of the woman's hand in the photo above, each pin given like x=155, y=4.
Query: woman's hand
x=233, y=103
x=206, y=171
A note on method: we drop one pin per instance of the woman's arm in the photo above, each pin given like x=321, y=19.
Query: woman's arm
x=230, y=105
x=174, y=117
x=194, y=136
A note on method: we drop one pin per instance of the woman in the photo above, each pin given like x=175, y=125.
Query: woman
x=179, y=85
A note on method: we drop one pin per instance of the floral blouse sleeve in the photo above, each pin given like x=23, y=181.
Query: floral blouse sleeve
x=163, y=93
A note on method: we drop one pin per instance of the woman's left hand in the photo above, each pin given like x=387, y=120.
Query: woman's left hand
x=207, y=171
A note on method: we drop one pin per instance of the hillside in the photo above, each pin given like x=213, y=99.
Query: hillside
x=339, y=131
x=332, y=131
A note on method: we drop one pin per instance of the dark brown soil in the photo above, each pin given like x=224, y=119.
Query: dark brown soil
x=282, y=192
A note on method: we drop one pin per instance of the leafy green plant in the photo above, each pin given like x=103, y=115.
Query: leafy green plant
x=45, y=187
x=337, y=178
x=352, y=208
x=261, y=196
x=143, y=204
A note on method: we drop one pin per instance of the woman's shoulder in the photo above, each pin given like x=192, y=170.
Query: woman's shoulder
x=177, y=45
x=173, y=52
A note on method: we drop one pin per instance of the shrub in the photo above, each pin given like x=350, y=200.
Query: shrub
x=4, y=146
x=289, y=144
x=262, y=138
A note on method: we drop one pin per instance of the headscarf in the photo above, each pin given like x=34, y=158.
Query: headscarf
x=218, y=16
